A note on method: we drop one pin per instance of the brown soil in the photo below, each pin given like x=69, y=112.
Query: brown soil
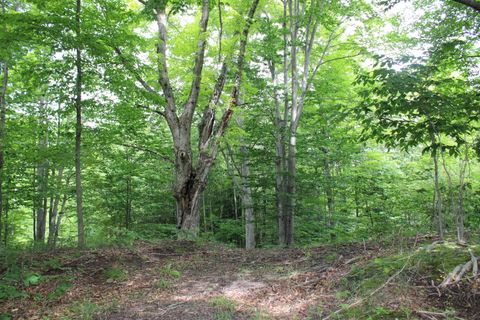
x=185, y=280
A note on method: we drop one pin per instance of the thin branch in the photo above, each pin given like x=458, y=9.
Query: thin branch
x=145, y=149
x=133, y=71
x=341, y=58
x=151, y=110
x=220, y=35
x=220, y=129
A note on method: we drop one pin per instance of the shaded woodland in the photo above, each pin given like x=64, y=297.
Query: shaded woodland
x=322, y=152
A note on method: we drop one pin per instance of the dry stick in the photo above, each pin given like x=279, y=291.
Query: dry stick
x=360, y=301
x=460, y=270
x=475, y=264
x=451, y=276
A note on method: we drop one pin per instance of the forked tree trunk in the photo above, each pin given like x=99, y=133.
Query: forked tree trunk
x=191, y=176
x=188, y=187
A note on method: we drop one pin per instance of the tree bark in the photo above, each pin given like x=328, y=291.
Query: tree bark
x=3, y=112
x=59, y=218
x=437, y=198
x=190, y=181
x=52, y=221
x=470, y=3
x=296, y=85
x=247, y=201
x=460, y=214
x=41, y=177
x=78, y=130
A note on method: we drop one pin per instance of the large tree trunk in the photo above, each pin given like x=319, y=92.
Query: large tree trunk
x=188, y=186
x=474, y=4
x=78, y=131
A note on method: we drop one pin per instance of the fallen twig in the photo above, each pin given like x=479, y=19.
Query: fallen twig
x=362, y=300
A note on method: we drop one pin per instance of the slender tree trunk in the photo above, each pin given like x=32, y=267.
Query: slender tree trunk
x=41, y=177
x=245, y=191
x=59, y=219
x=437, y=204
x=7, y=229
x=3, y=112
x=52, y=222
x=247, y=203
x=460, y=216
x=78, y=131
x=34, y=204
x=280, y=159
x=204, y=211
x=128, y=203
x=329, y=192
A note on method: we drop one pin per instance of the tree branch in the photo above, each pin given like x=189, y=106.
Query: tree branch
x=133, y=71
x=145, y=149
x=199, y=62
x=238, y=76
x=152, y=110
x=470, y=3
x=163, y=77
x=341, y=58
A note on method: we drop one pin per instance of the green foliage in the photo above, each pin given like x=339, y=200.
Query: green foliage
x=225, y=307
x=229, y=231
x=169, y=271
x=87, y=310
x=436, y=262
x=61, y=288
x=31, y=278
x=115, y=274
x=163, y=284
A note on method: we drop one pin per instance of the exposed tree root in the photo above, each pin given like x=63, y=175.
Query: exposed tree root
x=459, y=272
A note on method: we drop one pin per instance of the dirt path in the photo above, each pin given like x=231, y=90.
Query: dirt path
x=184, y=280
x=232, y=284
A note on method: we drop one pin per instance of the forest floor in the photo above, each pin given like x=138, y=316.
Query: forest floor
x=187, y=280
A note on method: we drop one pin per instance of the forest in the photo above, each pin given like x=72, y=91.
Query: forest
x=239, y=159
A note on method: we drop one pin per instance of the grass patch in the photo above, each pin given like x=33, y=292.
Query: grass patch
x=163, y=284
x=169, y=271
x=87, y=310
x=224, y=307
x=372, y=312
x=115, y=274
